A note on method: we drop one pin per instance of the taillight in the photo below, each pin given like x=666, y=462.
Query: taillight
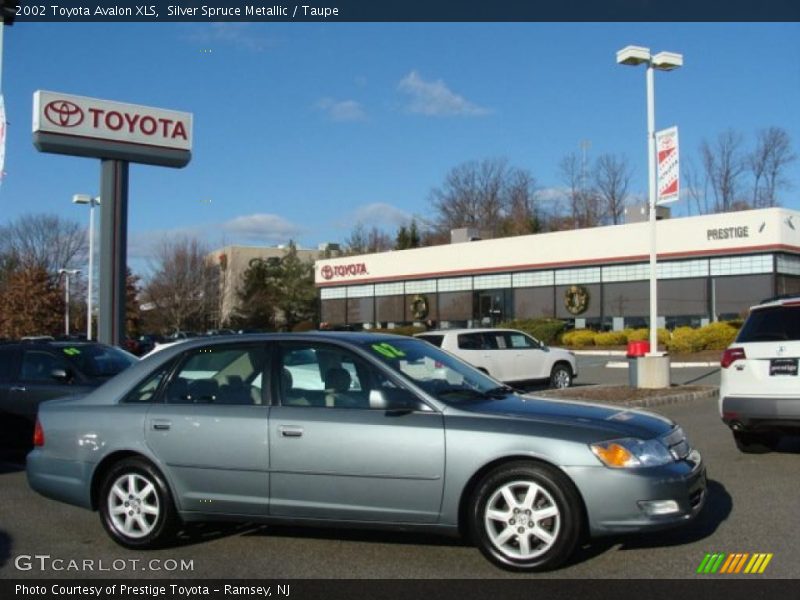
x=38, y=434
x=730, y=356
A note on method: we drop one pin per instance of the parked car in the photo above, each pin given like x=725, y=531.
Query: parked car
x=508, y=355
x=382, y=431
x=33, y=371
x=759, y=397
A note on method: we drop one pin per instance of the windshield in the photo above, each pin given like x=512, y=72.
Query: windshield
x=98, y=360
x=440, y=374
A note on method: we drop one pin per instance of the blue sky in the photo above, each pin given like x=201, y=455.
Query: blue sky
x=302, y=130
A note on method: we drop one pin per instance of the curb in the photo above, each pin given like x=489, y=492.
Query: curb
x=619, y=364
x=709, y=392
x=599, y=352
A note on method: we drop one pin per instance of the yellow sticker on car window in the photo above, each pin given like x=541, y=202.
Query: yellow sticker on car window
x=71, y=351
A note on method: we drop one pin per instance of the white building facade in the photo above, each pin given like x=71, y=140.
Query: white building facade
x=709, y=267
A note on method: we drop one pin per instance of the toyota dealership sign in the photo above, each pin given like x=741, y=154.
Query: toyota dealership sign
x=77, y=125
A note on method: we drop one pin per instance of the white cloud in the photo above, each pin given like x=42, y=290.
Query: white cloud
x=242, y=35
x=380, y=214
x=342, y=110
x=266, y=229
x=435, y=99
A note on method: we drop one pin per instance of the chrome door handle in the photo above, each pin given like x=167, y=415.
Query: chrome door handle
x=290, y=431
x=161, y=425
x=18, y=388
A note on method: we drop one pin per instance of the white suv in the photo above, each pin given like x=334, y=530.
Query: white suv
x=759, y=396
x=507, y=355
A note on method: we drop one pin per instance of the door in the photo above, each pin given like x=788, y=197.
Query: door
x=334, y=457
x=210, y=430
x=35, y=382
x=530, y=360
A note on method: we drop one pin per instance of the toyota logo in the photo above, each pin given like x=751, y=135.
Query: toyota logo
x=327, y=272
x=63, y=113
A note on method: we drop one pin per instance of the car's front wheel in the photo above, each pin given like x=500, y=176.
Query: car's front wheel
x=136, y=507
x=526, y=517
x=560, y=376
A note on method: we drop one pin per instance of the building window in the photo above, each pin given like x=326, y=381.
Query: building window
x=573, y=276
x=741, y=265
x=388, y=289
x=534, y=279
x=626, y=272
x=454, y=284
x=489, y=282
x=332, y=293
x=789, y=265
x=360, y=291
x=682, y=269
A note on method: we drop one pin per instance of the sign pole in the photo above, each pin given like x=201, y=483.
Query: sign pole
x=113, y=251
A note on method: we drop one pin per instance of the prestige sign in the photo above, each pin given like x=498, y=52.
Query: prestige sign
x=67, y=124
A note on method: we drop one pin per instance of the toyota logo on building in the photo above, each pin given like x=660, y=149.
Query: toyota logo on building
x=63, y=113
x=327, y=272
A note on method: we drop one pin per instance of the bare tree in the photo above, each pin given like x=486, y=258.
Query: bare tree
x=696, y=188
x=612, y=178
x=488, y=195
x=367, y=241
x=184, y=286
x=584, y=204
x=724, y=164
x=768, y=163
x=44, y=241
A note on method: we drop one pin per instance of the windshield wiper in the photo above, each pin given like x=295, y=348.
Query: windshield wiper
x=461, y=390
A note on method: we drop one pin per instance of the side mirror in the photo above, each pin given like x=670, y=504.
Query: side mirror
x=394, y=400
x=61, y=375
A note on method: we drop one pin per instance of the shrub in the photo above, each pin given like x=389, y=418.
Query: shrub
x=578, y=338
x=544, y=330
x=610, y=338
x=717, y=336
x=640, y=335
x=685, y=340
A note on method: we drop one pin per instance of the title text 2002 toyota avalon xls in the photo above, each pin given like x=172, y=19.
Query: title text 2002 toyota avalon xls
x=362, y=430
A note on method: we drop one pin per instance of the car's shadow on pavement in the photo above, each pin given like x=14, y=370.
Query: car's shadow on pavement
x=718, y=507
x=5, y=548
x=199, y=533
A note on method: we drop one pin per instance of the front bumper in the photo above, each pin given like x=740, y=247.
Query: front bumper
x=753, y=413
x=614, y=498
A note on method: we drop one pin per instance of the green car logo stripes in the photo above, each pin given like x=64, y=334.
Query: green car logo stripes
x=734, y=563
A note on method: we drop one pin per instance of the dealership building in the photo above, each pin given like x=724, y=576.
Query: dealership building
x=709, y=267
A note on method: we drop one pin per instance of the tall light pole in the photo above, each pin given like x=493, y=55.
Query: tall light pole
x=66, y=273
x=663, y=61
x=92, y=201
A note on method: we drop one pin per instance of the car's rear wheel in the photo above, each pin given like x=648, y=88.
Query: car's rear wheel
x=136, y=507
x=526, y=517
x=560, y=376
x=755, y=443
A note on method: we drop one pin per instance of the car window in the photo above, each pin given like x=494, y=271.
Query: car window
x=7, y=363
x=777, y=323
x=228, y=375
x=146, y=391
x=96, y=360
x=519, y=340
x=38, y=365
x=436, y=340
x=322, y=375
x=470, y=341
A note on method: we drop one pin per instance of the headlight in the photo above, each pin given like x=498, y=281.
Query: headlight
x=631, y=453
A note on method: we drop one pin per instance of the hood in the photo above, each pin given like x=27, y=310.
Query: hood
x=610, y=421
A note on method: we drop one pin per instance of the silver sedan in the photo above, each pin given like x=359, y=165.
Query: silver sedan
x=361, y=430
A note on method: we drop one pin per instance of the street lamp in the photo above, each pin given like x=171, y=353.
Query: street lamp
x=66, y=273
x=663, y=61
x=92, y=201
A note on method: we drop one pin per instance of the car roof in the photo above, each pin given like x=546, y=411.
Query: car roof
x=785, y=300
x=464, y=330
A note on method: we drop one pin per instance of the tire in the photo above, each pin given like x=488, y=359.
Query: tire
x=546, y=541
x=755, y=443
x=136, y=507
x=560, y=376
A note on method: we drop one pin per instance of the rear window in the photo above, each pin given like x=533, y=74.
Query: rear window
x=436, y=340
x=777, y=323
x=98, y=360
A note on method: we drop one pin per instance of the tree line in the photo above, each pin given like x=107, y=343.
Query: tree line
x=502, y=200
